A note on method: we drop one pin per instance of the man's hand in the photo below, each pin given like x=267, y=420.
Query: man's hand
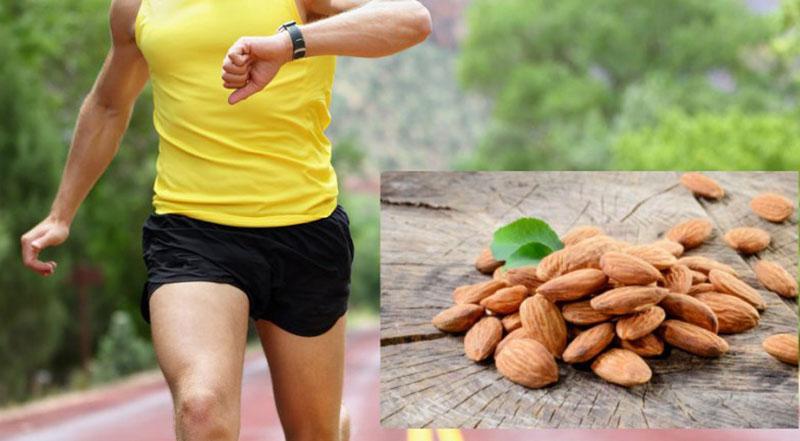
x=252, y=62
x=48, y=233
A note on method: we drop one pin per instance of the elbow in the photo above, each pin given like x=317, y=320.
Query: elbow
x=420, y=22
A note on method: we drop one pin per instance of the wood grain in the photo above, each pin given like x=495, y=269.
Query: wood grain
x=433, y=225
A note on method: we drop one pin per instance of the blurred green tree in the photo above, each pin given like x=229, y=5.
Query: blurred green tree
x=567, y=76
x=121, y=350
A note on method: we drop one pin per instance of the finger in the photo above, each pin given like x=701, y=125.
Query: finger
x=234, y=78
x=30, y=257
x=244, y=92
x=230, y=67
x=238, y=57
x=233, y=85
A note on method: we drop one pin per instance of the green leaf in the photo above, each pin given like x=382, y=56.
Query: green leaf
x=528, y=254
x=523, y=232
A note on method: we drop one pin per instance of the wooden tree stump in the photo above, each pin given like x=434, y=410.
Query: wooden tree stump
x=433, y=225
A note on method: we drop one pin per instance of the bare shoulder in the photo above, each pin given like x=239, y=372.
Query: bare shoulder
x=122, y=19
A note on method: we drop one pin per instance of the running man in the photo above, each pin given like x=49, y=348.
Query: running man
x=246, y=221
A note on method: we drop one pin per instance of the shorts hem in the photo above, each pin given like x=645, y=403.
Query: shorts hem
x=304, y=331
x=151, y=286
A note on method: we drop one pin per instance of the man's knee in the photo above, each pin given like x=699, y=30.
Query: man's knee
x=204, y=411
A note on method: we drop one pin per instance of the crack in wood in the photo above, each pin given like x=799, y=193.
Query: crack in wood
x=643, y=201
x=416, y=204
x=411, y=338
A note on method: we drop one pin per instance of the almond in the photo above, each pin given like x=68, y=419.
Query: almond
x=517, y=333
x=582, y=313
x=648, y=346
x=691, y=233
x=772, y=207
x=701, y=288
x=458, y=318
x=705, y=265
x=511, y=322
x=524, y=275
x=622, y=367
x=525, y=361
x=544, y=323
x=584, y=254
x=690, y=310
x=477, y=292
x=640, y=324
x=628, y=269
x=702, y=185
x=698, y=277
x=693, y=339
x=670, y=246
x=551, y=265
x=629, y=299
x=499, y=273
x=589, y=343
x=578, y=234
x=783, y=347
x=573, y=286
x=486, y=263
x=678, y=279
x=776, y=279
x=482, y=338
x=733, y=314
x=747, y=240
x=505, y=300
x=729, y=284
x=656, y=256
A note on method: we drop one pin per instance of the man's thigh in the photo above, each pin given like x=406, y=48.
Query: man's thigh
x=199, y=334
x=307, y=375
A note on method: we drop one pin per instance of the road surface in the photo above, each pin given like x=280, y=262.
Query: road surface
x=141, y=410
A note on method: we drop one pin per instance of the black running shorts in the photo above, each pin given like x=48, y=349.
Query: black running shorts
x=297, y=276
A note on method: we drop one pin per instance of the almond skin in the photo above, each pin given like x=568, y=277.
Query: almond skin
x=659, y=257
x=511, y=322
x=505, y=300
x=728, y=284
x=628, y=269
x=524, y=275
x=698, y=277
x=691, y=233
x=525, y=361
x=670, y=246
x=584, y=254
x=776, y=279
x=783, y=347
x=648, y=346
x=772, y=207
x=747, y=240
x=517, y=333
x=573, y=286
x=580, y=233
x=628, y=299
x=589, y=343
x=458, y=318
x=678, y=279
x=705, y=265
x=734, y=315
x=693, y=339
x=482, y=338
x=702, y=185
x=691, y=310
x=544, y=323
x=622, y=367
x=477, y=292
x=640, y=324
x=582, y=313
x=486, y=263
x=701, y=288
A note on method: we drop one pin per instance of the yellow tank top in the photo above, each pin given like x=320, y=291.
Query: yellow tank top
x=263, y=162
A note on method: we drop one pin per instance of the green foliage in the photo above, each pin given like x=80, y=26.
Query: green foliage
x=524, y=242
x=731, y=141
x=566, y=77
x=363, y=211
x=121, y=351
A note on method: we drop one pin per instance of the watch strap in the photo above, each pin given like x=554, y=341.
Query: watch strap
x=298, y=43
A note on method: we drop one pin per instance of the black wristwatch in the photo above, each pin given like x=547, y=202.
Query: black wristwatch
x=298, y=43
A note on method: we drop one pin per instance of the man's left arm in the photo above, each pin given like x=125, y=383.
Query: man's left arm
x=355, y=28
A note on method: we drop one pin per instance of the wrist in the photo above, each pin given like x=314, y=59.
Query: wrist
x=285, y=47
x=59, y=218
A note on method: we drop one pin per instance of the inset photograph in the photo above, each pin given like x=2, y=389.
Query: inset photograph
x=589, y=300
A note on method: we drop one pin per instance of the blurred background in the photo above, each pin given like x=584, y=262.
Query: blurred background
x=501, y=84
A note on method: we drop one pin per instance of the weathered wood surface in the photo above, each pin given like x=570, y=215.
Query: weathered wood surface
x=434, y=224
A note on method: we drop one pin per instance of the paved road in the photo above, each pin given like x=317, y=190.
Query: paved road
x=141, y=410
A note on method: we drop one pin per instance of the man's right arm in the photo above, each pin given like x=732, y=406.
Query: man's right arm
x=102, y=121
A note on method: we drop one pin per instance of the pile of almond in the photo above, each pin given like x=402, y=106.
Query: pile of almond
x=612, y=304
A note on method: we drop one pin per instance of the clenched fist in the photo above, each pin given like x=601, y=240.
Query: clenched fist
x=252, y=62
